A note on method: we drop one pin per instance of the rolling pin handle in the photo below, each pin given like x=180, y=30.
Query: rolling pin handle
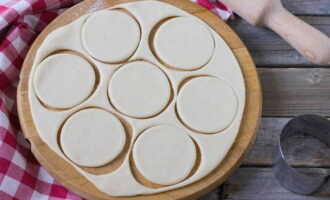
x=310, y=42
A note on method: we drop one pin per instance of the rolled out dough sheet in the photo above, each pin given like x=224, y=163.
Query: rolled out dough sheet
x=92, y=137
x=165, y=155
x=183, y=43
x=58, y=80
x=139, y=89
x=216, y=60
x=207, y=104
x=110, y=36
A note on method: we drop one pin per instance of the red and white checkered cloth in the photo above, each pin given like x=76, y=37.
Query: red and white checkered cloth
x=21, y=176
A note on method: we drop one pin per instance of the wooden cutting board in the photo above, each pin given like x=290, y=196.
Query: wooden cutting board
x=77, y=183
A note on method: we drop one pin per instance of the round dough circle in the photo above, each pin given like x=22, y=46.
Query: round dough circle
x=110, y=36
x=207, y=104
x=92, y=137
x=139, y=89
x=164, y=154
x=64, y=80
x=184, y=43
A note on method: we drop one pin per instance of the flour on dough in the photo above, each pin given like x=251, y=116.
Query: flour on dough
x=110, y=36
x=207, y=104
x=64, y=80
x=184, y=43
x=92, y=137
x=164, y=154
x=139, y=89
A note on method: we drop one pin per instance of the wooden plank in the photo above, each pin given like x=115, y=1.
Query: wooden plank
x=267, y=48
x=293, y=91
x=260, y=183
x=214, y=195
x=301, y=150
x=308, y=7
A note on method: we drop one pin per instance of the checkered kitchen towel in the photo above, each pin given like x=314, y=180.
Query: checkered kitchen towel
x=21, y=176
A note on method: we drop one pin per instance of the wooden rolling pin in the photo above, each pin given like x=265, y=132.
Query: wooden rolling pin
x=309, y=41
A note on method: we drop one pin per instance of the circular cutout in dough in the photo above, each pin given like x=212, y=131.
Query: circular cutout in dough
x=64, y=80
x=92, y=137
x=139, y=89
x=164, y=154
x=110, y=36
x=184, y=43
x=207, y=104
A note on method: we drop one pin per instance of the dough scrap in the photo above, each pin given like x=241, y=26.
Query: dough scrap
x=207, y=104
x=139, y=89
x=184, y=43
x=64, y=80
x=92, y=137
x=164, y=154
x=110, y=36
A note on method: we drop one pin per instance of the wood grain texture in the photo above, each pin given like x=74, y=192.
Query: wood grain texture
x=300, y=150
x=260, y=183
x=307, y=7
x=255, y=178
x=74, y=181
x=293, y=91
x=273, y=50
x=306, y=39
x=286, y=91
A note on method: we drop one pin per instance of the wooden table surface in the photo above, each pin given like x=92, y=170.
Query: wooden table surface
x=291, y=86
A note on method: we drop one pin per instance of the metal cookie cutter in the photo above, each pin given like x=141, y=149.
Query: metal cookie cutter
x=289, y=178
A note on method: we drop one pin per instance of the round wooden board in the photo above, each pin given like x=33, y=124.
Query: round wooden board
x=74, y=181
